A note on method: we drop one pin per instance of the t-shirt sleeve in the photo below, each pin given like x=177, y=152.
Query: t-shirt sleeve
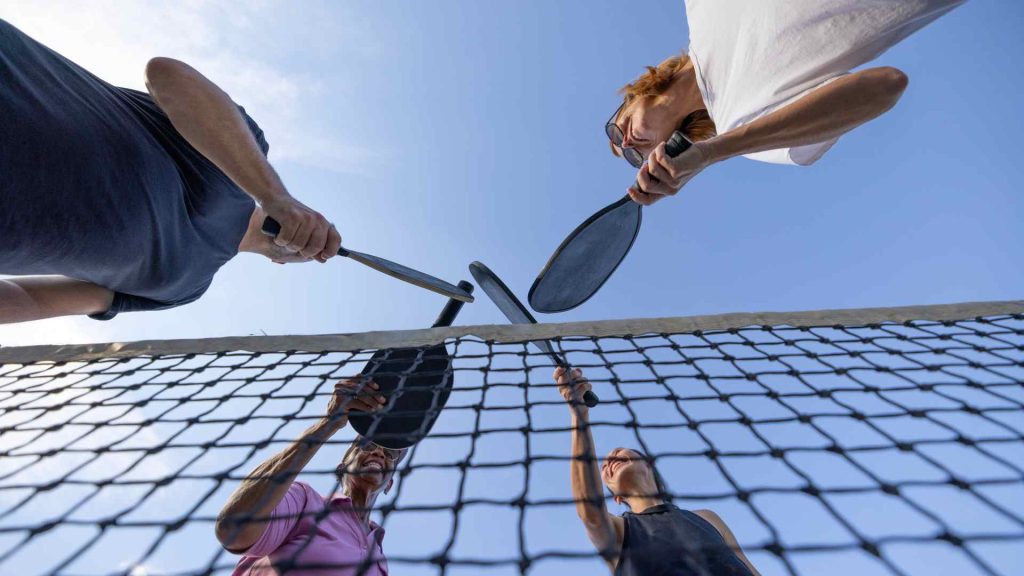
x=129, y=303
x=283, y=520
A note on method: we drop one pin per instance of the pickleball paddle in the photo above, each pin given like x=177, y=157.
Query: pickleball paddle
x=516, y=313
x=271, y=228
x=585, y=260
x=416, y=382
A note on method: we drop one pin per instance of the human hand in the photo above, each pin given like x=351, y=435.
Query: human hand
x=572, y=387
x=304, y=231
x=663, y=175
x=354, y=393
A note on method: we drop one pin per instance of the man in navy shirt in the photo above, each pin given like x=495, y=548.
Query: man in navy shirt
x=125, y=200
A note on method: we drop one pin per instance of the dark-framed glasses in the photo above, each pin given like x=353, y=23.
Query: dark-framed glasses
x=615, y=135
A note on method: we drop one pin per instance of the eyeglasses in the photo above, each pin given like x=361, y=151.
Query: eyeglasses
x=614, y=133
x=394, y=455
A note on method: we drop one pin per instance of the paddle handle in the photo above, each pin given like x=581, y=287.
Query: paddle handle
x=272, y=228
x=452, y=308
x=589, y=398
x=674, y=146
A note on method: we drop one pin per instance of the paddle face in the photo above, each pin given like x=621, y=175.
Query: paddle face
x=516, y=313
x=415, y=381
x=271, y=227
x=587, y=258
x=591, y=253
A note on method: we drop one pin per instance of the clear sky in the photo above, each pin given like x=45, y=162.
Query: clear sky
x=438, y=133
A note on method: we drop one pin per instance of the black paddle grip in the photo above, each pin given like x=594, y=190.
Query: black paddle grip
x=674, y=146
x=452, y=308
x=270, y=227
x=590, y=399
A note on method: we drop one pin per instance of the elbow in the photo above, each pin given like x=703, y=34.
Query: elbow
x=890, y=84
x=163, y=73
x=231, y=534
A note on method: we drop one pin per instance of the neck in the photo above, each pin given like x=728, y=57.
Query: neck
x=638, y=504
x=363, y=500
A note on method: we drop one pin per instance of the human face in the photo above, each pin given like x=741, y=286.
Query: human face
x=626, y=471
x=369, y=463
x=638, y=127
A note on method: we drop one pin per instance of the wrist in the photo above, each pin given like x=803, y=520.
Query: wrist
x=327, y=427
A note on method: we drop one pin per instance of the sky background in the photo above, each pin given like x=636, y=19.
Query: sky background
x=439, y=133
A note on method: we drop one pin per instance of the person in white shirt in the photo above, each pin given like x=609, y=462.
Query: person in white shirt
x=767, y=79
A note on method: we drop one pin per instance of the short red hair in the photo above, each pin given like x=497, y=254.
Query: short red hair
x=655, y=82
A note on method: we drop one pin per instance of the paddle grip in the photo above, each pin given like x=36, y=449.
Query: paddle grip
x=270, y=227
x=452, y=308
x=674, y=146
x=589, y=398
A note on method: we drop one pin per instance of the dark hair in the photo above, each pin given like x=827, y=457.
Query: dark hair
x=663, y=492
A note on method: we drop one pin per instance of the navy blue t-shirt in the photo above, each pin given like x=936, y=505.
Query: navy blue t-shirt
x=97, y=185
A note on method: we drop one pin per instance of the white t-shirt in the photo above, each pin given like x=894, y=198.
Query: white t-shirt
x=752, y=57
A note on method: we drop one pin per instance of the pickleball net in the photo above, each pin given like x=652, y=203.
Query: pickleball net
x=875, y=441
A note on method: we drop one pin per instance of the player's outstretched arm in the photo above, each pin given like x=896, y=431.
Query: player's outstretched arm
x=38, y=297
x=827, y=112
x=604, y=529
x=209, y=120
x=248, y=510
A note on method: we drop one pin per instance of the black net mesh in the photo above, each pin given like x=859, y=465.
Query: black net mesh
x=891, y=448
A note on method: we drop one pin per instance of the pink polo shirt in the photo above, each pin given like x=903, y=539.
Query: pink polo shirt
x=335, y=544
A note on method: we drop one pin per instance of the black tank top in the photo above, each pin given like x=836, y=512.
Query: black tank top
x=666, y=541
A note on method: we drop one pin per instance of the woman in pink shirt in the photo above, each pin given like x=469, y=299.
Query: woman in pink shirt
x=282, y=526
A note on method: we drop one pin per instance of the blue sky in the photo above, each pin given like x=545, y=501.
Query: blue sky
x=440, y=133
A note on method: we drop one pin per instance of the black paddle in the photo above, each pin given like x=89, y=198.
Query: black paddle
x=592, y=252
x=516, y=313
x=272, y=228
x=416, y=382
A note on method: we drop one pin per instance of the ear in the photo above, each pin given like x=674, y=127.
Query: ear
x=388, y=487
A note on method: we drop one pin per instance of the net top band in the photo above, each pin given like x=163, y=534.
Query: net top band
x=504, y=333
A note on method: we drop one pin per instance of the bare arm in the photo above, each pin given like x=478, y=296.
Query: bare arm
x=727, y=535
x=209, y=120
x=826, y=113
x=38, y=297
x=604, y=530
x=247, y=512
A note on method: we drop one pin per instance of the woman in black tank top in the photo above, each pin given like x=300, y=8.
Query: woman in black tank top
x=655, y=538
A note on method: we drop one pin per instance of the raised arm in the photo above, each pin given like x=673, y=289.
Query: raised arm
x=38, y=297
x=248, y=510
x=205, y=116
x=825, y=113
x=604, y=530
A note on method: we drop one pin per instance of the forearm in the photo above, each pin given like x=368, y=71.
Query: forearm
x=252, y=503
x=211, y=122
x=824, y=114
x=39, y=297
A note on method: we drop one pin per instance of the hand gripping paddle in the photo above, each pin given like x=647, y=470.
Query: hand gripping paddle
x=516, y=313
x=592, y=252
x=272, y=228
x=416, y=382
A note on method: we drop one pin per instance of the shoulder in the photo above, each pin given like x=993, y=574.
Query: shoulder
x=716, y=521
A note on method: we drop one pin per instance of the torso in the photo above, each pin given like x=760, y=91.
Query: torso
x=667, y=541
